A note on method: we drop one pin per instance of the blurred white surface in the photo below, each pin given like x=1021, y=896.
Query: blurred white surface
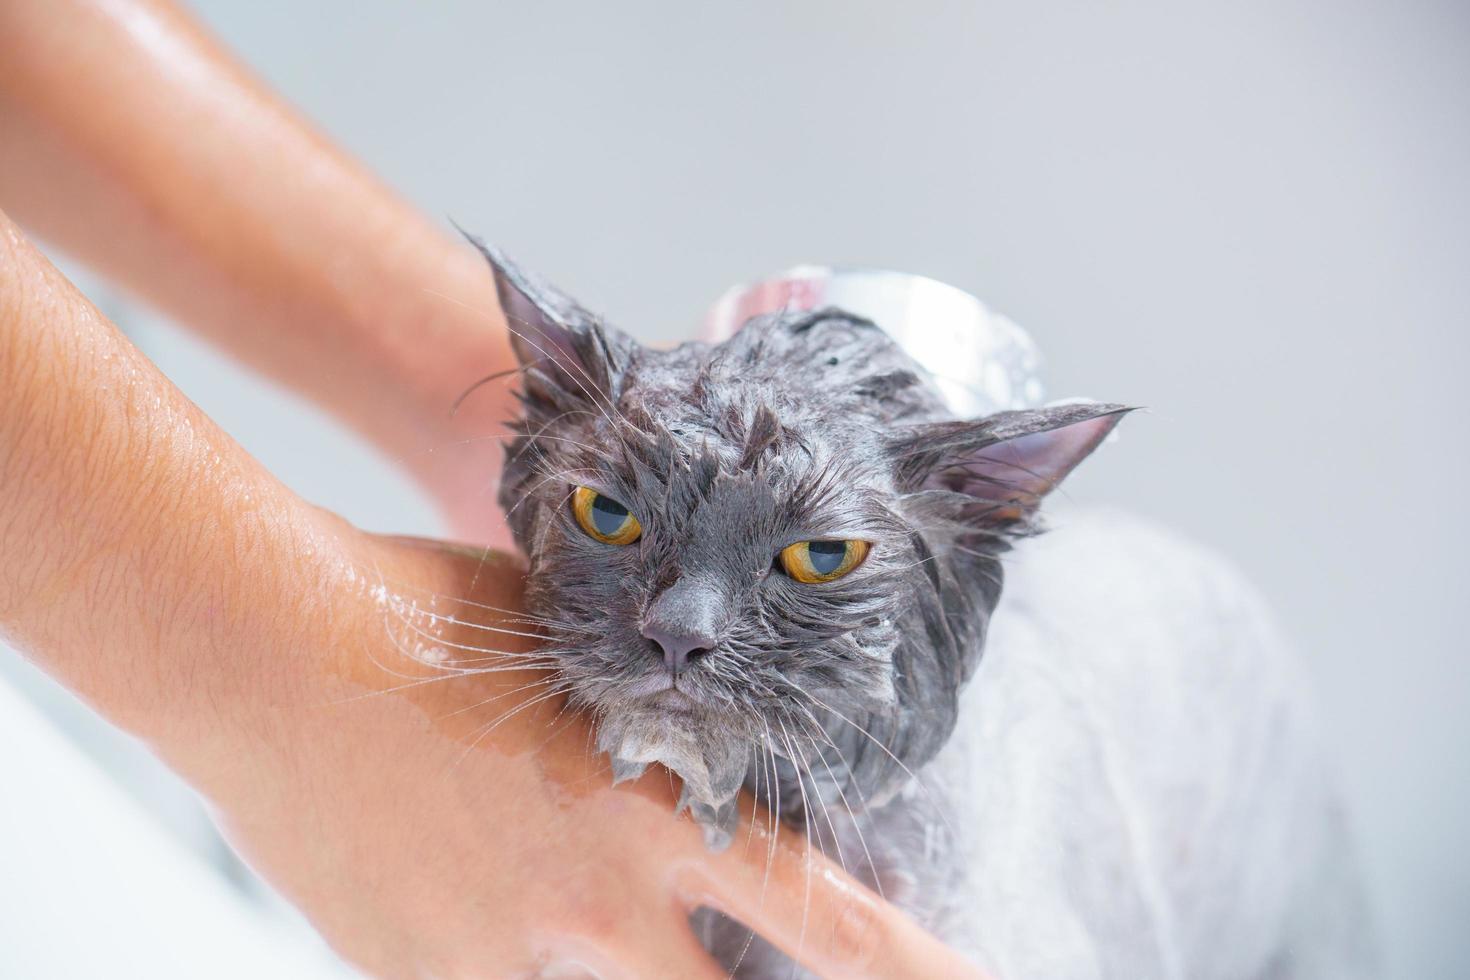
x=1251, y=217
x=93, y=886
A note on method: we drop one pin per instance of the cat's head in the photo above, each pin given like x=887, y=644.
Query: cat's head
x=780, y=544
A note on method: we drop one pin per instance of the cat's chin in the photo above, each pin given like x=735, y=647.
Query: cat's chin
x=709, y=758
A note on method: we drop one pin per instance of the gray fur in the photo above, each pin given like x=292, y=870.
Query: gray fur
x=800, y=426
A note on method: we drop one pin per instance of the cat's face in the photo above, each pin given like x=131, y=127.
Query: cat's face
x=726, y=540
x=750, y=546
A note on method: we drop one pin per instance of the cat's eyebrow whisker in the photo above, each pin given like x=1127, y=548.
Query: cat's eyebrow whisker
x=459, y=302
x=493, y=376
x=523, y=322
x=538, y=469
x=546, y=529
x=560, y=473
x=452, y=444
x=591, y=393
x=509, y=513
x=913, y=565
x=569, y=413
x=532, y=440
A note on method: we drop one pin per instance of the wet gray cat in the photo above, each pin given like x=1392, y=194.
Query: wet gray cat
x=776, y=560
x=809, y=427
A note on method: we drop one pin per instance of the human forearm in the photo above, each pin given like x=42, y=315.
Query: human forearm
x=131, y=140
x=132, y=531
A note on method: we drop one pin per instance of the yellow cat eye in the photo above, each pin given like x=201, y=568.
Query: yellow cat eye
x=813, y=562
x=604, y=518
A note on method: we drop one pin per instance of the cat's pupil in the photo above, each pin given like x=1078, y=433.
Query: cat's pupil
x=826, y=556
x=608, y=515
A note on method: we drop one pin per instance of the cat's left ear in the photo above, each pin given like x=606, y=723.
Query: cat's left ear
x=1004, y=462
x=566, y=350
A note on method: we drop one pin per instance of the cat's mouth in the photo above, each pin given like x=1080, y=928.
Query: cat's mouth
x=675, y=701
x=661, y=695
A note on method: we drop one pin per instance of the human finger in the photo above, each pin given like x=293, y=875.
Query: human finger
x=801, y=902
x=669, y=951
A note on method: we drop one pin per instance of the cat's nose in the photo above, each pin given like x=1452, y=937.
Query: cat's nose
x=684, y=622
x=679, y=649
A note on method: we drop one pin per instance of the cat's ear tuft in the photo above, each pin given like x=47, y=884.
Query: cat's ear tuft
x=551, y=334
x=1005, y=462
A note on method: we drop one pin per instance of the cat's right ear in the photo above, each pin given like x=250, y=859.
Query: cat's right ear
x=565, y=350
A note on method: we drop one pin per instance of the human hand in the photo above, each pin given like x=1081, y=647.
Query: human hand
x=316, y=684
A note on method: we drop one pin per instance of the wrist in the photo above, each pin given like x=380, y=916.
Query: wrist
x=425, y=328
